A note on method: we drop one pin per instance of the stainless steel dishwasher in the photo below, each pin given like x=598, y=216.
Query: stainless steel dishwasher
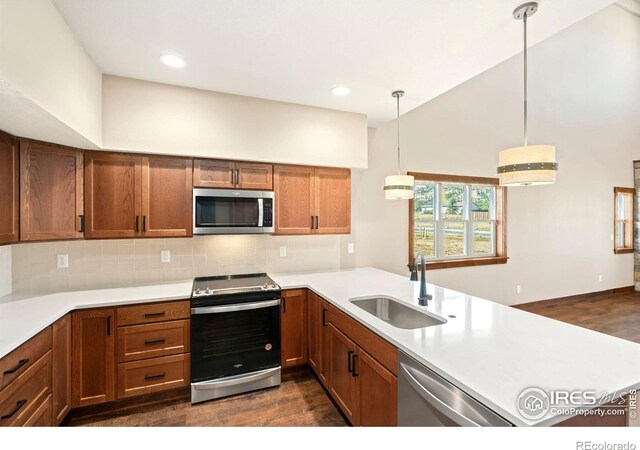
x=428, y=400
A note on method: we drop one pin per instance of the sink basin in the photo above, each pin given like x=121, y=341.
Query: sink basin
x=397, y=313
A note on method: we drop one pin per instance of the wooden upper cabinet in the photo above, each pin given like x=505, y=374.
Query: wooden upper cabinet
x=61, y=361
x=333, y=201
x=211, y=173
x=293, y=309
x=93, y=363
x=312, y=200
x=295, y=200
x=167, y=188
x=254, y=176
x=112, y=199
x=51, y=194
x=9, y=189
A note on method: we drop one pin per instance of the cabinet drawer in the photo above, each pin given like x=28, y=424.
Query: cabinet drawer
x=155, y=312
x=20, y=400
x=153, y=375
x=153, y=340
x=18, y=361
x=43, y=416
x=385, y=353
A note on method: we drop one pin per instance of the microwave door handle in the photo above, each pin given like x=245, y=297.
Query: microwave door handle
x=260, y=212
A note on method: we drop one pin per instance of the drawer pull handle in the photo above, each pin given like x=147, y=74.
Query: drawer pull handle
x=19, y=405
x=324, y=317
x=158, y=314
x=350, y=362
x=155, y=341
x=354, y=372
x=21, y=363
x=154, y=377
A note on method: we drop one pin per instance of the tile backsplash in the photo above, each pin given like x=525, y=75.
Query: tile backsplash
x=96, y=264
x=5, y=270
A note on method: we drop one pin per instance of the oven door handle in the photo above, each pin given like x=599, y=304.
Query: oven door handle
x=234, y=308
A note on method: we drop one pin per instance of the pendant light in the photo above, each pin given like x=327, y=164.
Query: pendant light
x=398, y=187
x=530, y=164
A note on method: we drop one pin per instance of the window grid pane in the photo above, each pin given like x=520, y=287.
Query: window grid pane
x=454, y=220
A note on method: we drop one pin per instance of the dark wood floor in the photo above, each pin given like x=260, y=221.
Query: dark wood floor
x=614, y=314
x=299, y=401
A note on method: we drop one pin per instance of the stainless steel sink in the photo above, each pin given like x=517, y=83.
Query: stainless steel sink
x=397, y=313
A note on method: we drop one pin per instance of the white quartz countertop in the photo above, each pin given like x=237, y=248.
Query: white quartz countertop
x=491, y=351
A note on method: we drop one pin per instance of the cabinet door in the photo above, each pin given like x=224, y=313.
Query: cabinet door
x=254, y=176
x=333, y=201
x=293, y=309
x=342, y=382
x=295, y=199
x=61, y=368
x=112, y=195
x=378, y=392
x=325, y=344
x=93, y=365
x=209, y=173
x=167, y=196
x=51, y=194
x=314, y=326
x=9, y=188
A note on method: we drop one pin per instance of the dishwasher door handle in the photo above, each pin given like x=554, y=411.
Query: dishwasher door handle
x=435, y=402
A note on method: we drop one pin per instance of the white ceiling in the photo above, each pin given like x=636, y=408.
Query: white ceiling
x=297, y=50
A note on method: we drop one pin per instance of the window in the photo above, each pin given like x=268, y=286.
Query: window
x=457, y=221
x=623, y=220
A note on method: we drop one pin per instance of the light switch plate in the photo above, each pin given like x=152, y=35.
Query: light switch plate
x=350, y=247
x=165, y=256
x=283, y=251
x=63, y=261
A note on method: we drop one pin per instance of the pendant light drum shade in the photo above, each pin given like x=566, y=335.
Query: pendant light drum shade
x=527, y=166
x=398, y=187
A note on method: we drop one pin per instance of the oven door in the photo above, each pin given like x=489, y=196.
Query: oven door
x=233, y=339
x=220, y=211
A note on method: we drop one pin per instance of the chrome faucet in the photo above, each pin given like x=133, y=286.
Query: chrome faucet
x=423, y=297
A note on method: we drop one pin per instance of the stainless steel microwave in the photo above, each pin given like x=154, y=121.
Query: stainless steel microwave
x=227, y=211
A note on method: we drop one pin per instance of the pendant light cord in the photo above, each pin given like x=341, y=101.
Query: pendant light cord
x=525, y=80
x=398, y=116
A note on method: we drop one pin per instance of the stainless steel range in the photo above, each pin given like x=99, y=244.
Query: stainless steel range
x=235, y=335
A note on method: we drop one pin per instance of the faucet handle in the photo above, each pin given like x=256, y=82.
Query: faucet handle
x=414, y=272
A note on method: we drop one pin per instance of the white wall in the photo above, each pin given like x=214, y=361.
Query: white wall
x=584, y=97
x=145, y=116
x=5, y=270
x=42, y=60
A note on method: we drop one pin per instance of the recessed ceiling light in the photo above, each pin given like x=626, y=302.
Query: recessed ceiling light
x=340, y=91
x=173, y=61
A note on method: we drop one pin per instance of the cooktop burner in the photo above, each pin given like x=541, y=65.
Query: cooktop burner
x=232, y=284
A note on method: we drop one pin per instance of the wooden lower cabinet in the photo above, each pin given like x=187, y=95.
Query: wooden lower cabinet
x=342, y=381
x=378, y=393
x=153, y=375
x=43, y=416
x=24, y=396
x=61, y=380
x=319, y=335
x=293, y=330
x=93, y=366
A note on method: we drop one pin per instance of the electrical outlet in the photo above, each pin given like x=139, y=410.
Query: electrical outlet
x=612, y=238
x=350, y=247
x=63, y=261
x=600, y=277
x=283, y=251
x=165, y=256
x=518, y=290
